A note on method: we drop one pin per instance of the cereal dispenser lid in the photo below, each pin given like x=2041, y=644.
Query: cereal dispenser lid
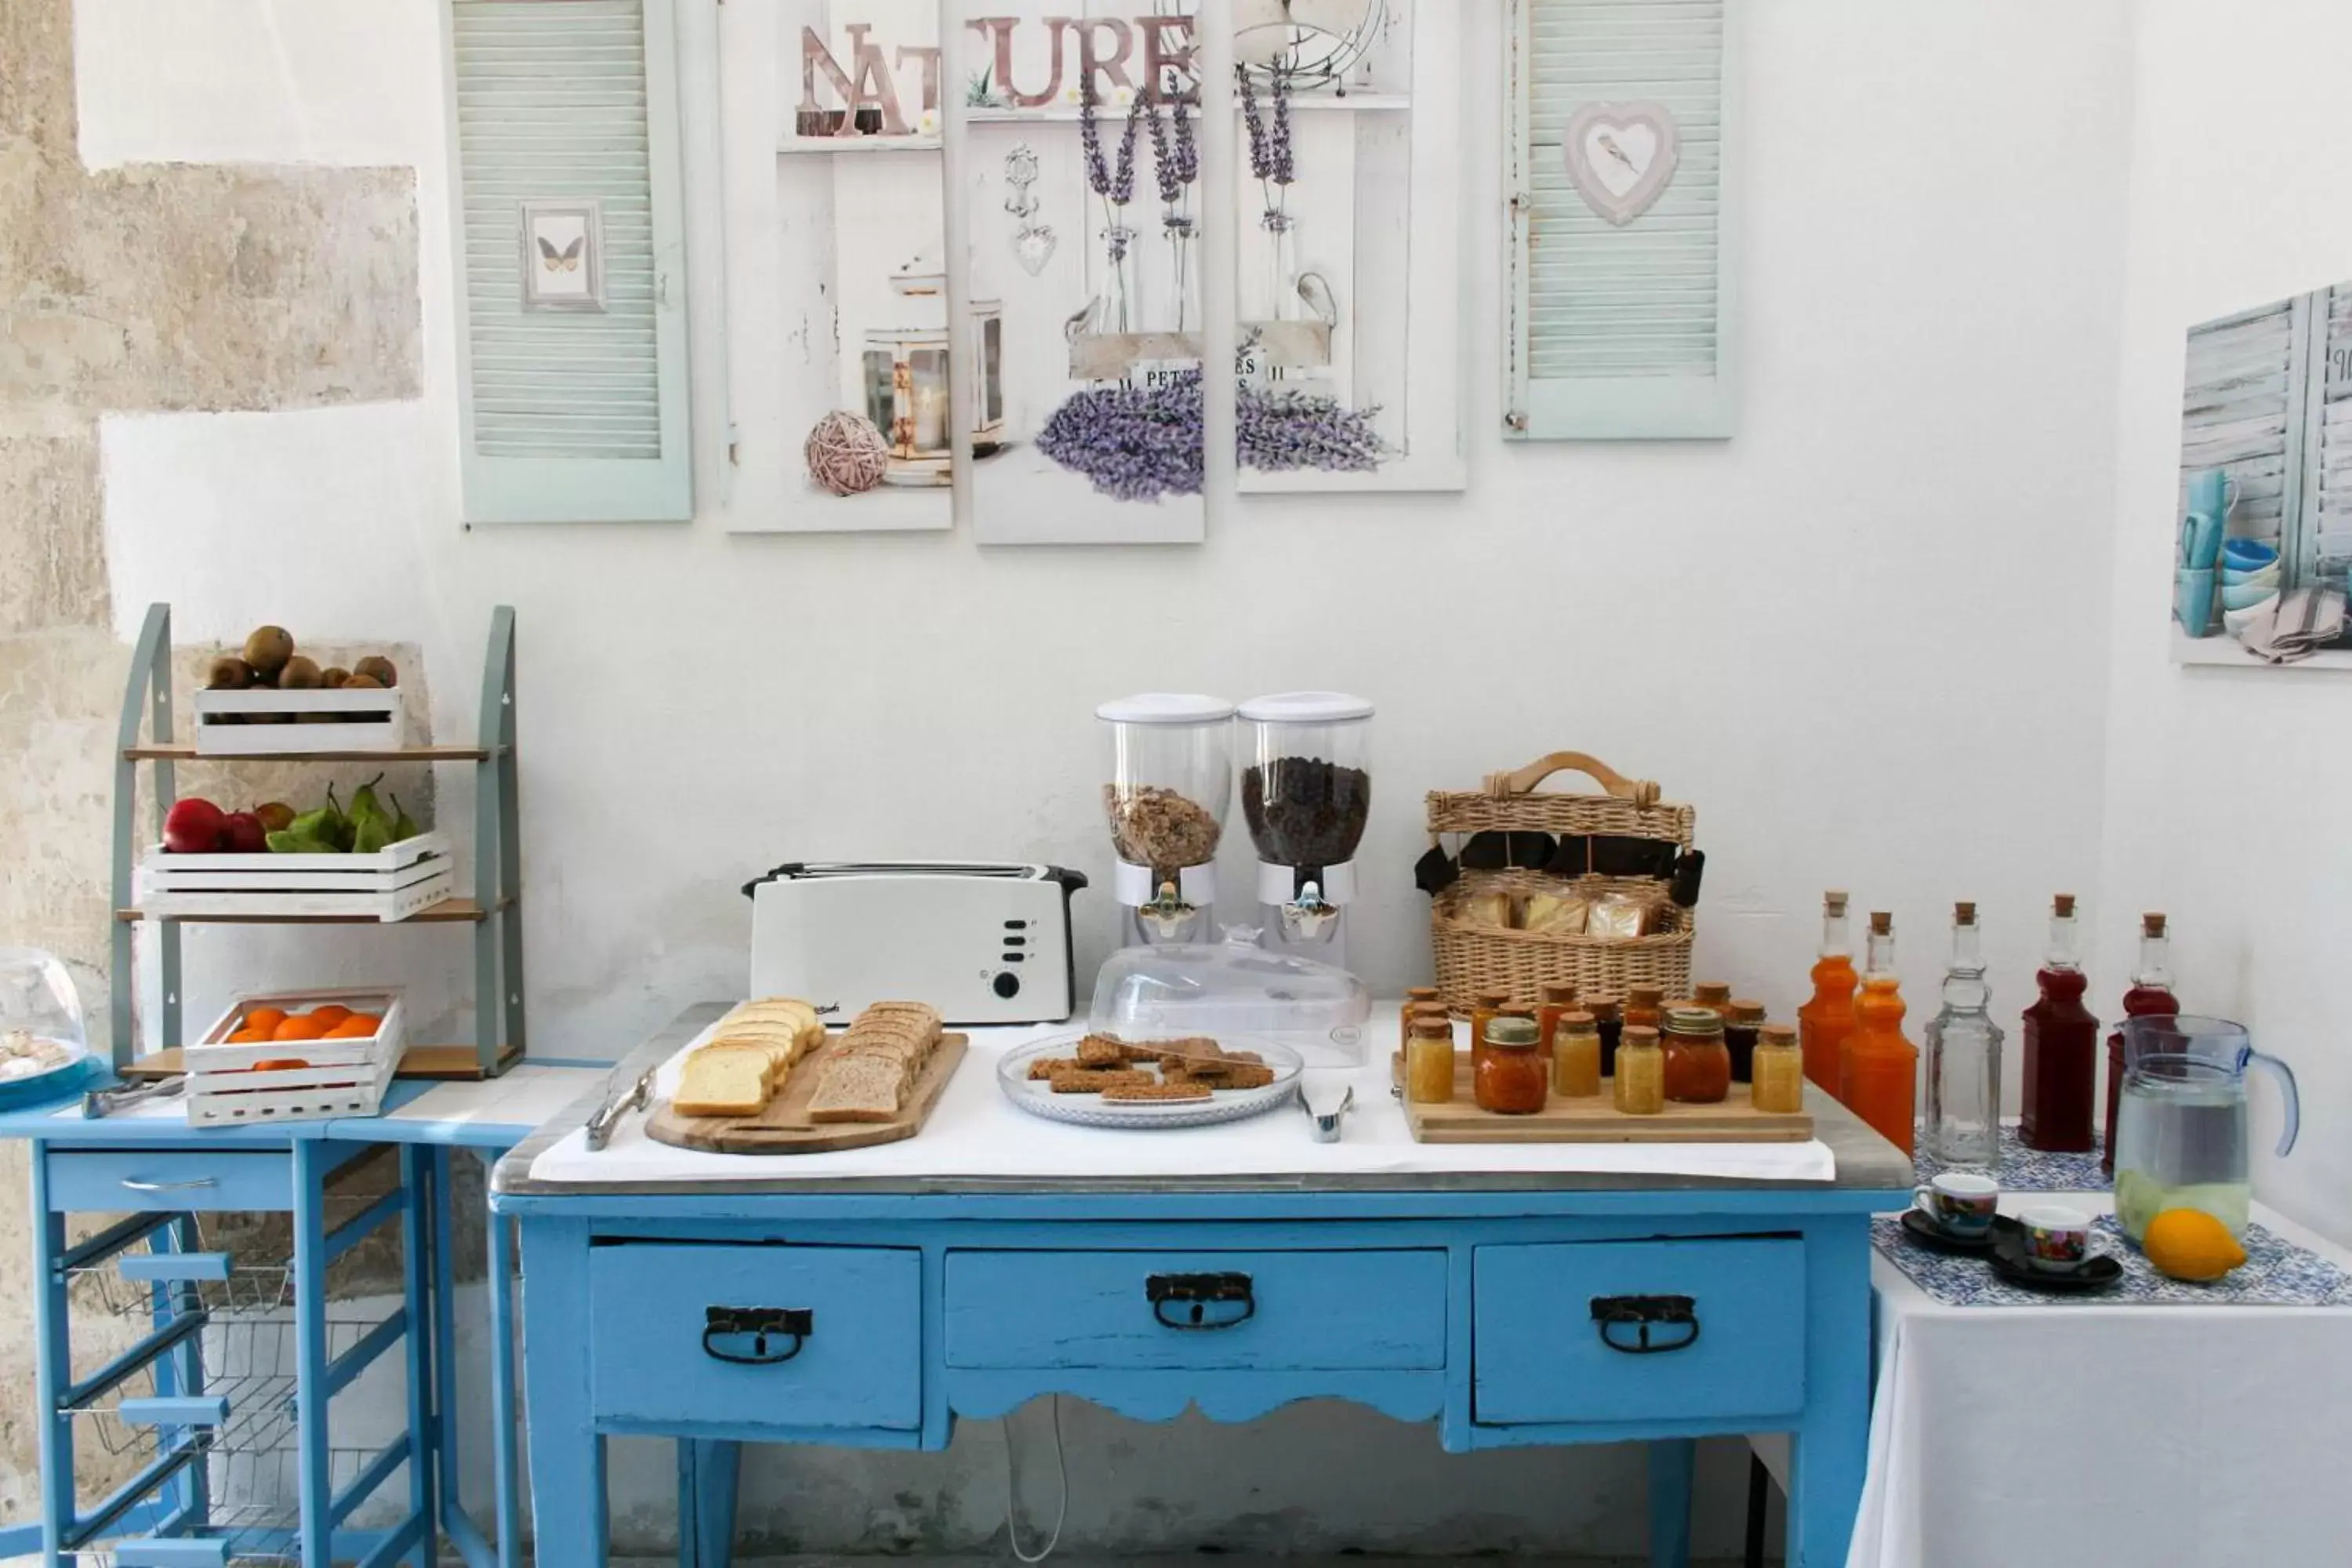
x=1306, y=708
x=1166, y=708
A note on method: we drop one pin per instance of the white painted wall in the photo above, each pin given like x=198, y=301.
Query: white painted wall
x=1868, y=638
x=2225, y=787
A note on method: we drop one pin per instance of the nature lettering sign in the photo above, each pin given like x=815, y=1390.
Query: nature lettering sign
x=1111, y=53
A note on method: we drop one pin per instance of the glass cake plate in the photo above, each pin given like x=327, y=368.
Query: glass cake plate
x=1036, y=1096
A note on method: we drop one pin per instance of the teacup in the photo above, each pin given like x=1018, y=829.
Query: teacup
x=2057, y=1238
x=1959, y=1203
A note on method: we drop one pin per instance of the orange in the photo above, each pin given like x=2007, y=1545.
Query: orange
x=277, y=1063
x=370, y=1019
x=327, y=1016
x=264, y=1018
x=248, y=1036
x=299, y=1029
x=352, y=1029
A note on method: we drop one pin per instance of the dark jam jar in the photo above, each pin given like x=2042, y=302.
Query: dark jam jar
x=1698, y=1066
x=1741, y=1025
x=1511, y=1076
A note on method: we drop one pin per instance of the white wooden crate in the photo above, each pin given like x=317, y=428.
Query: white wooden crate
x=392, y=884
x=365, y=721
x=337, y=1077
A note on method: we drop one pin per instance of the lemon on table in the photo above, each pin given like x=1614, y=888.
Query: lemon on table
x=2190, y=1244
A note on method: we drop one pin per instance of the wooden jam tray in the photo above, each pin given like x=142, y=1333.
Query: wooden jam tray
x=1598, y=1120
x=784, y=1127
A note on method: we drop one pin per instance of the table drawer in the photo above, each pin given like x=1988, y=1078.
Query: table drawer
x=1539, y=1354
x=1195, y=1310
x=743, y=1334
x=126, y=1181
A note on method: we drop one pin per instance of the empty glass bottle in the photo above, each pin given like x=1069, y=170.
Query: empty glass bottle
x=1964, y=1058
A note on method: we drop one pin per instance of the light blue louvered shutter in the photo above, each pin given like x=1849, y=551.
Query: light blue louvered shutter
x=2323, y=548
x=571, y=415
x=2242, y=400
x=1620, y=332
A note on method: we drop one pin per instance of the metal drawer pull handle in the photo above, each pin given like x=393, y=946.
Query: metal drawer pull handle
x=1615, y=1314
x=1182, y=1301
x=762, y=1324
x=137, y=1185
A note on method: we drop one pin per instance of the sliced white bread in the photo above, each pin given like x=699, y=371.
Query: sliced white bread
x=723, y=1080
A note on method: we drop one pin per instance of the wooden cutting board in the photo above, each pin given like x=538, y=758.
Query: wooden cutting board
x=1598, y=1120
x=784, y=1127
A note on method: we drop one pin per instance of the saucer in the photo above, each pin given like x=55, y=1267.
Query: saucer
x=2099, y=1271
x=1929, y=1234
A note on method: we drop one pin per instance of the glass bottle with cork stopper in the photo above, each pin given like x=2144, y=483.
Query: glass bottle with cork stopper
x=1963, y=1120
x=1608, y=1023
x=1640, y=1083
x=1575, y=1056
x=1413, y=996
x=1484, y=1007
x=1699, y=1068
x=1553, y=998
x=1740, y=1034
x=1512, y=1077
x=1824, y=1022
x=2062, y=1046
x=1645, y=1006
x=1881, y=1069
x=1712, y=994
x=2150, y=995
x=1429, y=1068
x=1775, y=1082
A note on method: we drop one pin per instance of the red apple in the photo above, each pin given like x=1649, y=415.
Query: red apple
x=192, y=826
x=242, y=834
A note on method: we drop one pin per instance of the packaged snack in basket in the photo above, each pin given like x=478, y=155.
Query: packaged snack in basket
x=1556, y=914
x=1485, y=909
x=1621, y=916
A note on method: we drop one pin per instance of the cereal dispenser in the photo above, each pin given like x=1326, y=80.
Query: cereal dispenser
x=1171, y=778
x=1305, y=794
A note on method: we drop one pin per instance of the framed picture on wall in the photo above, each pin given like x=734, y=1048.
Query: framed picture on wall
x=2262, y=523
x=563, y=255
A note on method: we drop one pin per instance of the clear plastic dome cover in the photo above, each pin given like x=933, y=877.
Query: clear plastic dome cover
x=40, y=1015
x=1232, y=988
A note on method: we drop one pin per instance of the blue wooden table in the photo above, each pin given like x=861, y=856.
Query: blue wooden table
x=1505, y=1309
x=231, y=1376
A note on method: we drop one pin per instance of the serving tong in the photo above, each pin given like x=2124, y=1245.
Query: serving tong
x=636, y=1097
x=97, y=1102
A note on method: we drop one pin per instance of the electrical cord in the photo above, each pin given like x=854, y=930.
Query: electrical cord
x=1061, y=1469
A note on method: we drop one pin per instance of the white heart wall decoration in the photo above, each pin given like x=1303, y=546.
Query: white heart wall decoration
x=1621, y=156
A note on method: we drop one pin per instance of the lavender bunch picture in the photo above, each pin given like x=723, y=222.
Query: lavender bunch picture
x=1273, y=156
x=1133, y=443
x=1176, y=165
x=1274, y=431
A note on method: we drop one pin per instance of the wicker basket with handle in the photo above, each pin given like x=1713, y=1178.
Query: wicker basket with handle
x=1471, y=958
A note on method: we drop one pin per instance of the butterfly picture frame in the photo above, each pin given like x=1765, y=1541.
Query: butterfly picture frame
x=563, y=255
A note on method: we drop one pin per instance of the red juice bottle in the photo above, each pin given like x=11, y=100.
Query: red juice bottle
x=2150, y=995
x=2061, y=1046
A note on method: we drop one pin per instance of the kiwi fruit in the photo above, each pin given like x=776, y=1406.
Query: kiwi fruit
x=299, y=675
x=378, y=668
x=333, y=676
x=229, y=673
x=268, y=648
x=362, y=682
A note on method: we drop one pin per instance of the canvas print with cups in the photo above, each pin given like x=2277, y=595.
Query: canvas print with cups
x=2263, y=519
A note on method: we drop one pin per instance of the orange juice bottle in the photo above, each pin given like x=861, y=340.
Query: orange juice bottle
x=1880, y=1080
x=1824, y=1023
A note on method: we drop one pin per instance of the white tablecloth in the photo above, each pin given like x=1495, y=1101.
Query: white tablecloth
x=2079, y=1437
x=976, y=1132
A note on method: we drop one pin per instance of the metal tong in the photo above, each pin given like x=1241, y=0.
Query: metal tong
x=1327, y=1123
x=97, y=1102
x=608, y=1115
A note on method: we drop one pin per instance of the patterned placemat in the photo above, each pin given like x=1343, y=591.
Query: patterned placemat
x=2024, y=1170
x=2276, y=1273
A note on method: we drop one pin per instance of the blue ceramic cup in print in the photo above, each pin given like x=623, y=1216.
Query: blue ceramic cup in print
x=2211, y=490
x=1959, y=1202
x=2192, y=601
x=2248, y=554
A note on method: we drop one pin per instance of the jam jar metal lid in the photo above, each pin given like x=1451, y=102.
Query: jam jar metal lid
x=1512, y=1032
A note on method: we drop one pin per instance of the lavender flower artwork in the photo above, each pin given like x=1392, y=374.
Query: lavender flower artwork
x=1176, y=163
x=1141, y=444
x=1281, y=430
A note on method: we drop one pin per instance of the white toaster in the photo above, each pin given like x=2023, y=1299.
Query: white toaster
x=984, y=943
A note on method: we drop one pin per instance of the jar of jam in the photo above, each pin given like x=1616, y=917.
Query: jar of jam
x=1484, y=1007
x=1575, y=1056
x=1715, y=994
x=1429, y=1061
x=1775, y=1082
x=1646, y=1007
x=1512, y=1077
x=1606, y=1018
x=1740, y=1028
x=1698, y=1067
x=1413, y=996
x=1640, y=1081
x=1554, y=998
